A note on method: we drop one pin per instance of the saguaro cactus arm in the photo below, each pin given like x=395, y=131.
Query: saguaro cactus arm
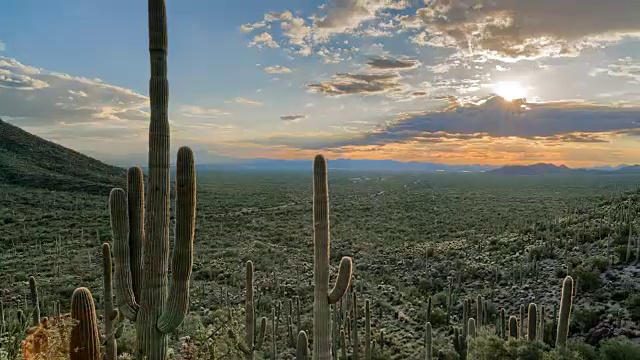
x=178, y=301
x=120, y=228
x=342, y=281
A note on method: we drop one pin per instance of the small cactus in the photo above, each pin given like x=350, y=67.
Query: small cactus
x=566, y=301
x=503, y=325
x=35, y=302
x=428, y=342
x=252, y=341
x=302, y=348
x=532, y=322
x=513, y=327
x=472, y=328
x=84, y=342
x=367, y=330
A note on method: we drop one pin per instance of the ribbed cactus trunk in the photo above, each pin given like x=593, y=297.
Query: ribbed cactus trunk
x=322, y=243
x=513, y=327
x=565, y=312
x=428, y=342
x=142, y=282
x=503, y=325
x=274, y=334
x=84, y=342
x=367, y=330
x=302, y=347
x=153, y=295
x=2, y=321
x=521, y=327
x=532, y=322
x=249, y=319
x=35, y=301
x=542, y=323
x=111, y=352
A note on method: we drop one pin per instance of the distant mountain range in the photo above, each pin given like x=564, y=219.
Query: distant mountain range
x=29, y=160
x=341, y=165
x=551, y=169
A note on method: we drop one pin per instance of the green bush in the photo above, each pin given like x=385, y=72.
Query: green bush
x=619, y=349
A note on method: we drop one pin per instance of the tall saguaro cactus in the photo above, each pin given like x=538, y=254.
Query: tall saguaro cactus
x=142, y=255
x=565, y=311
x=322, y=247
x=252, y=341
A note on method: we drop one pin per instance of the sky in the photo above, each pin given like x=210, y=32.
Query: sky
x=448, y=81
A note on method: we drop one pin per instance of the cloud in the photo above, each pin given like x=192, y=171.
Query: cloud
x=278, y=16
x=38, y=97
x=387, y=63
x=293, y=118
x=512, y=30
x=497, y=118
x=345, y=15
x=625, y=68
x=264, y=39
x=244, y=101
x=363, y=84
x=247, y=28
x=277, y=69
x=201, y=112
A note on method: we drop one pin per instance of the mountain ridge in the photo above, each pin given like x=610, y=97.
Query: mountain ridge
x=31, y=161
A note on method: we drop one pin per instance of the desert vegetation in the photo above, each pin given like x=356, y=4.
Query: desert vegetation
x=437, y=266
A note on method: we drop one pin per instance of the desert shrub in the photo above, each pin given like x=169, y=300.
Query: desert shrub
x=619, y=349
x=587, y=278
x=633, y=305
x=490, y=347
x=599, y=263
x=585, y=351
x=583, y=319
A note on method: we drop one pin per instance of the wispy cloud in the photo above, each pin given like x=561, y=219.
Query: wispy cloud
x=248, y=102
x=277, y=69
x=293, y=118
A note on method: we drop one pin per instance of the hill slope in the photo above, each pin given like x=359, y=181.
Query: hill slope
x=31, y=161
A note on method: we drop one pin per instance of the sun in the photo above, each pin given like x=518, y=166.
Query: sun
x=510, y=90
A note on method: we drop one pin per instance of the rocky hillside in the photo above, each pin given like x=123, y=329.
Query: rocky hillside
x=31, y=161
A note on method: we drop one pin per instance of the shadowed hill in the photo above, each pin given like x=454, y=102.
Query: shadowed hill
x=31, y=161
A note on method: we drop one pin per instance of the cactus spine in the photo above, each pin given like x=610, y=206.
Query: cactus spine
x=84, y=342
x=428, y=342
x=565, y=312
x=35, y=302
x=322, y=247
x=532, y=320
x=142, y=293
